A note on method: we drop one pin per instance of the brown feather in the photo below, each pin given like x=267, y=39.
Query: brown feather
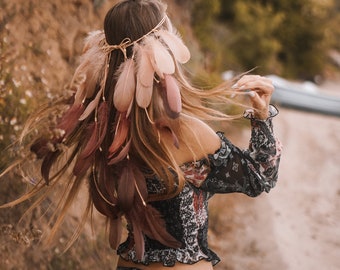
x=69, y=120
x=40, y=147
x=98, y=130
x=46, y=165
x=120, y=134
x=126, y=188
x=137, y=233
x=82, y=166
x=121, y=155
x=141, y=183
x=101, y=205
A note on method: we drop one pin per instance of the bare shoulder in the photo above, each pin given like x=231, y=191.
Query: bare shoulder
x=201, y=130
x=197, y=141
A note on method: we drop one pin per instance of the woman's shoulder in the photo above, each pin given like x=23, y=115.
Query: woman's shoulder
x=197, y=140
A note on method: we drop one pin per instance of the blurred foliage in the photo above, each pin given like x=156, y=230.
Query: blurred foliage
x=291, y=38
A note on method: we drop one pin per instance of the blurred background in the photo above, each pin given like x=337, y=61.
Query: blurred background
x=294, y=42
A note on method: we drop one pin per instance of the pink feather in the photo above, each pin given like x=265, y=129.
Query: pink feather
x=125, y=87
x=173, y=94
x=161, y=59
x=176, y=45
x=145, y=76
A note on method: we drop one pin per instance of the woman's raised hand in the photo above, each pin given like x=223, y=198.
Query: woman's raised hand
x=260, y=90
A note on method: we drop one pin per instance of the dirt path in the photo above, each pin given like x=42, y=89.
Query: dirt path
x=296, y=226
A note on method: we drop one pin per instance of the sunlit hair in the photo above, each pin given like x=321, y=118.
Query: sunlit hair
x=128, y=19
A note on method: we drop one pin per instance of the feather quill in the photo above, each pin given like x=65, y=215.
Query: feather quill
x=161, y=59
x=125, y=87
x=176, y=45
x=145, y=76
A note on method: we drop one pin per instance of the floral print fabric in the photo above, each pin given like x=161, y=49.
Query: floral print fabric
x=230, y=169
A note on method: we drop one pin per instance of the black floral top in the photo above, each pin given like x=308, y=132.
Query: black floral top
x=228, y=170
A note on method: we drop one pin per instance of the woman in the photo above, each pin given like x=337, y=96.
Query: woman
x=134, y=127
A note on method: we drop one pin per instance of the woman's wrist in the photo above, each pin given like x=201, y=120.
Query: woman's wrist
x=261, y=115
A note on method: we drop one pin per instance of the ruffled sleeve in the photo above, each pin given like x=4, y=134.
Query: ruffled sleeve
x=250, y=171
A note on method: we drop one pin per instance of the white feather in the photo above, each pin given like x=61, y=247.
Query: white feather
x=176, y=45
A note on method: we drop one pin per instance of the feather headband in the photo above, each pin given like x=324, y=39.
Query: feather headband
x=154, y=53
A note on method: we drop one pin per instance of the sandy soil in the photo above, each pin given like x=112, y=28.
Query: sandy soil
x=296, y=225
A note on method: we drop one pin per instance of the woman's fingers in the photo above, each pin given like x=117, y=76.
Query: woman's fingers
x=259, y=90
x=261, y=85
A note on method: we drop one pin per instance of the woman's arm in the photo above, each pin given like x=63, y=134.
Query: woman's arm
x=250, y=171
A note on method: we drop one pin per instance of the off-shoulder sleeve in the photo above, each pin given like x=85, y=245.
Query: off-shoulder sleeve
x=250, y=171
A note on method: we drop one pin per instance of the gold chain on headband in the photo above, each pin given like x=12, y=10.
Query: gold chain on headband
x=126, y=42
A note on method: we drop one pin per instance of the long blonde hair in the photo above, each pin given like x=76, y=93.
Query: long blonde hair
x=71, y=153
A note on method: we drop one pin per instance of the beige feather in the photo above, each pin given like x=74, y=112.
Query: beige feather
x=145, y=76
x=125, y=87
x=91, y=68
x=161, y=59
x=176, y=45
x=92, y=106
